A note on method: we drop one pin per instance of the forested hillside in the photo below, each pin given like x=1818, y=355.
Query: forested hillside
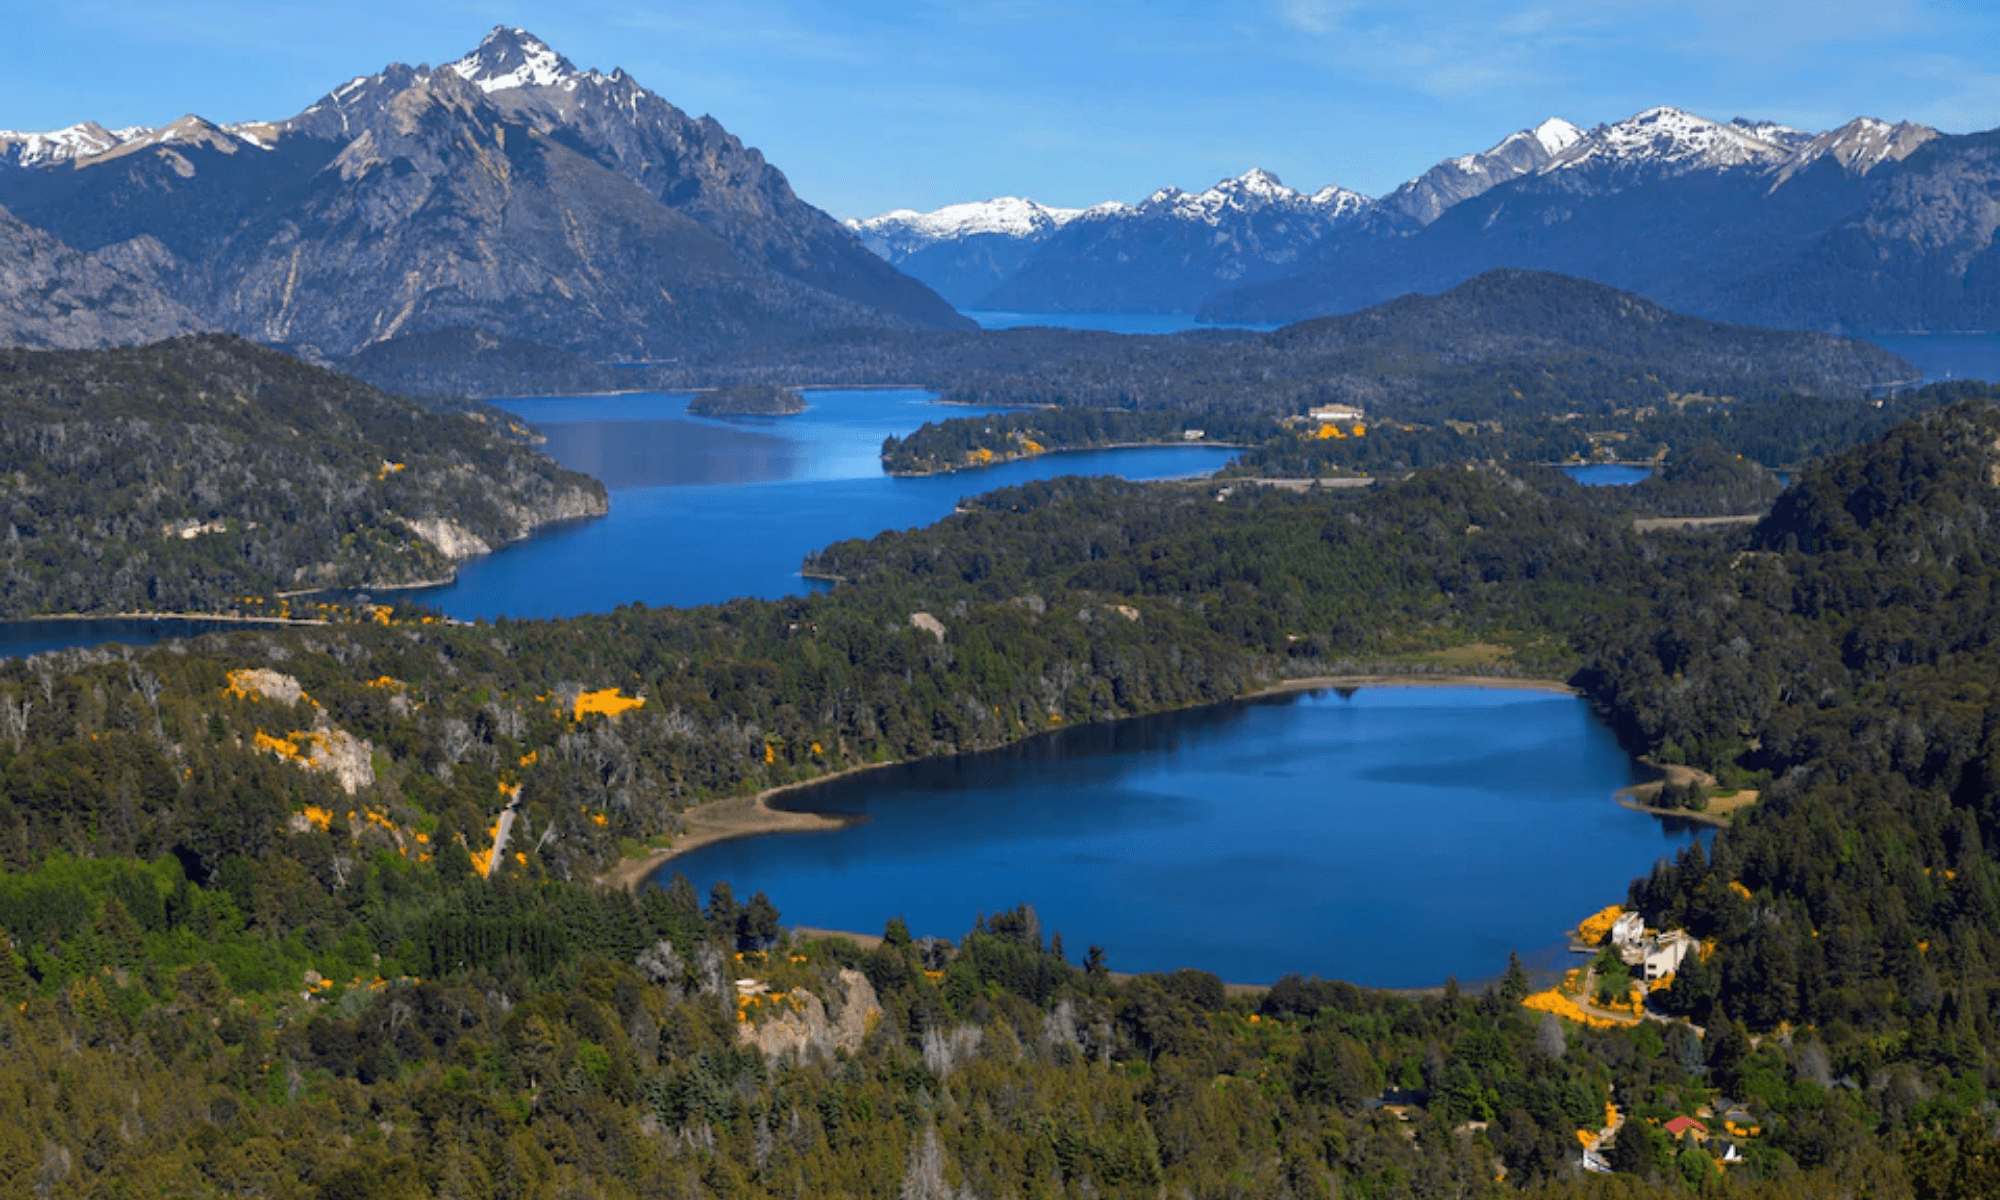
x=262, y=940
x=193, y=474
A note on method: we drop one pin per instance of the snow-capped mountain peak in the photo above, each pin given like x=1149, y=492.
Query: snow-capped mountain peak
x=906, y=230
x=1671, y=141
x=1859, y=146
x=1772, y=132
x=90, y=142
x=1253, y=191
x=513, y=58
x=1556, y=135
x=1455, y=180
x=27, y=149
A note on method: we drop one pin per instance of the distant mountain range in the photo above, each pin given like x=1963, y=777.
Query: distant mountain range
x=1866, y=228
x=507, y=193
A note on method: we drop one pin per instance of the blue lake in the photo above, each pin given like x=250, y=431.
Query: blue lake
x=1945, y=356
x=1607, y=474
x=19, y=639
x=1391, y=836
x=704, y=510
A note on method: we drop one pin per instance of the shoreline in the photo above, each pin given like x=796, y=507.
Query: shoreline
x=1720, y=814
x=999, y=461
x=734, y=817
x=1320, y=683
x=737, y=817
x=866, y=942
x=231, y=618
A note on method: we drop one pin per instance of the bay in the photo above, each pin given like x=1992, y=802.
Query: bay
x=1389, y=836
x=705, y=510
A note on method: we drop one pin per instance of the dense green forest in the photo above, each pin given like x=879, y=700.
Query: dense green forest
x=259, y=941
x=189, y=475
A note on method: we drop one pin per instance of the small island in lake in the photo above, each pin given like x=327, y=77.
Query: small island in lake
x=748, y=400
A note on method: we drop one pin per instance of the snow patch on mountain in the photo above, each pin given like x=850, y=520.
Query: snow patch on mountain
x=1556, y=135
x=1671, y=142
x=1251, y=192
x=90, y=142
x=514, y=58
x=906, y=230
x=28, y=149
x=1859, y=146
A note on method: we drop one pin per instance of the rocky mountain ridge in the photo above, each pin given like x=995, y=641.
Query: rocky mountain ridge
x=507, y=191
x=1665, y=202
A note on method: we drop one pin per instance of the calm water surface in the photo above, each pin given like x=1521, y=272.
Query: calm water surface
x=19, y=639
x=704, y=510
x=1947, y=355
x=1390, y=837
x=1607, y=474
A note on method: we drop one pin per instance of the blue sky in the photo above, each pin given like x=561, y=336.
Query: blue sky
x=918, y=103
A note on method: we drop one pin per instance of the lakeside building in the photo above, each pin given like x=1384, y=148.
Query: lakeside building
x=1327, y=413
x=1657, y=955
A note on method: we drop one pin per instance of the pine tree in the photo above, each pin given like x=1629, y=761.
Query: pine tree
x=13, y=977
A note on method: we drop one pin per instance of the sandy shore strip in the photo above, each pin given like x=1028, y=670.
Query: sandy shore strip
x=731, y=818
x=1321, y=683
x=1644, y=797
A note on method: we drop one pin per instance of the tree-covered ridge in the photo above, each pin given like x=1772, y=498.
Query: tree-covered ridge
x=1844, y=656
x=1563, y=344
x=1530, y=418
x=748, y=399
x=188, y=475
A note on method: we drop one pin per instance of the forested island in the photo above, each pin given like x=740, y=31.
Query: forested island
x=748, y=400
x=261, y=936
x=207, y=474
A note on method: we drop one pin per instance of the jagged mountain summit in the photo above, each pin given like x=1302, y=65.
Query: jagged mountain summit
x=1172, y=250
x=1454, y=180
x=1714, y=217
x=507, y=191
x=1741, y=221
x=1015, y=253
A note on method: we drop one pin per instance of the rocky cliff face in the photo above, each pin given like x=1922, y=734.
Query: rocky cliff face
x=54, y=297
x=799, y=1023
x=507, y=192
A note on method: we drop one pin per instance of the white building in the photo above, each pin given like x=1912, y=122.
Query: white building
x=1336, y=412
x=1665, y=952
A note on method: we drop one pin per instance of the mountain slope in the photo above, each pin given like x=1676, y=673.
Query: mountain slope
x=1740, y=222
x=964, y=251
x=55, y=297
x=1175, y=248
x=507, y=192
x=187, y=474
